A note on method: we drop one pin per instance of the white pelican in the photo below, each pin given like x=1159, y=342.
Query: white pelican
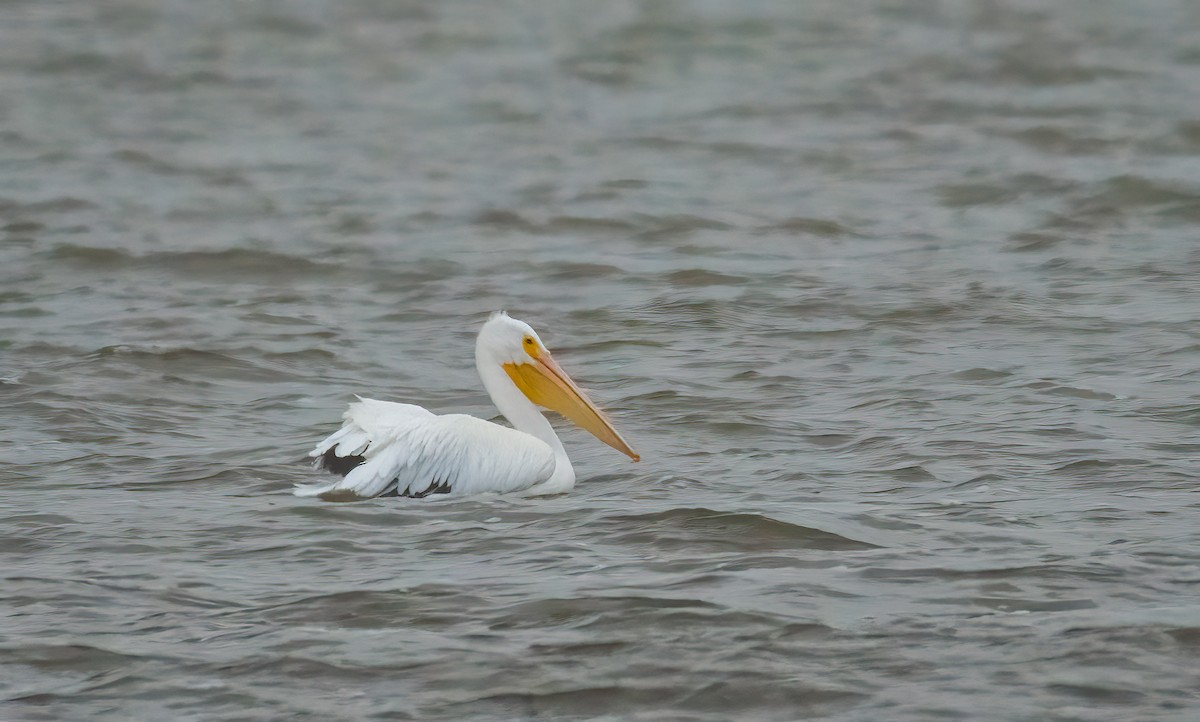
x=389, y=448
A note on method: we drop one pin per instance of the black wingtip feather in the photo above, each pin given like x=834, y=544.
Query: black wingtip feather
x=435, y=488
x=340, y=465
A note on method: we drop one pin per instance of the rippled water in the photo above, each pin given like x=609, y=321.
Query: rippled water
x=898, y=300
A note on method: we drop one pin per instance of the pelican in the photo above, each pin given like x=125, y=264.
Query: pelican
x=391, y=448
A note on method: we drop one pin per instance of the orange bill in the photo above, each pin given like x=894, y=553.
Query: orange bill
x=546, y=384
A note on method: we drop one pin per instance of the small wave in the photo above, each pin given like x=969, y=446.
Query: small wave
x=291, y=666
x=650, y=226
x=1127, y=194
x=702, y=277
x=573, y=702
x=23, y=227
x=256, y=264
x=1091, y=466
x=1003, y=191
x=61, y=204
x=63, y=657
x=304, y=357
x=154, y=164
x=1126, y=190
x=738, y=692
x=571, y=271
x=1187, y=636
x=286, y=25
x=708, y=528
x=1075, y=392
x=1029, y=241
x=123, y=71
x=740, y=150
x=512, y=221
x=913, y=474
x=581, y=610
x=1055, y=139
x=733, y=694
x=980, y=374
x=221, y=264
x=1107, y=694
x=670, y=226
x=89, y=255
x=586, y=224
x=505, y=220
x=802, y=226
x=176, y=360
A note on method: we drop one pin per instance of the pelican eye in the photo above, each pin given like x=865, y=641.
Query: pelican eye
x=531, y=346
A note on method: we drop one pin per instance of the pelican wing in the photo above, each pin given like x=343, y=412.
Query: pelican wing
x=385, y=446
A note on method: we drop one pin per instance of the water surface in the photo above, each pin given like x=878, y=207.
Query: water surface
x=897, y=300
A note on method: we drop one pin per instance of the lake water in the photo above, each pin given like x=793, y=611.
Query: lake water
x=898, y=300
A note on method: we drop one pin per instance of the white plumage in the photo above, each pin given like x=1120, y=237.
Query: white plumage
x=385, y=447
x=413, y=452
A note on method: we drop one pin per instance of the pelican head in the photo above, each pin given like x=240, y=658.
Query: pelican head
x=517, y=348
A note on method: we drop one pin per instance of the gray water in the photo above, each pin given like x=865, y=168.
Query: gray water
x=898, y=300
